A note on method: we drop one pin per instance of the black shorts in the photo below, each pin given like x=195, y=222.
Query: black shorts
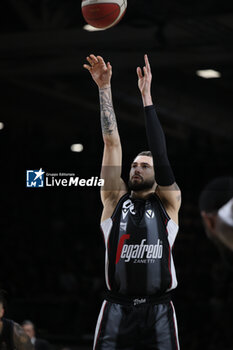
x=140, y=326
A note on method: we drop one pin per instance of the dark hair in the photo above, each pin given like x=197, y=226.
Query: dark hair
x=145, y=153
x=216, y=193
x=3, y=294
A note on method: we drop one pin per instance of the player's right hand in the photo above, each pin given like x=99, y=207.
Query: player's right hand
x=99, y=70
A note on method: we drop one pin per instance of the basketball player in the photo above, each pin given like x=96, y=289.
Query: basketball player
x=139, y=229
x=12, y=336
x=216, y=207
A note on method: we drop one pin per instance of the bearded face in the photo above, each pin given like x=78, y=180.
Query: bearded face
x=141, y=175
x=141, y=185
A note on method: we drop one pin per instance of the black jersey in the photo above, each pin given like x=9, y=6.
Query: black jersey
x=6, y=337
x=139, y=238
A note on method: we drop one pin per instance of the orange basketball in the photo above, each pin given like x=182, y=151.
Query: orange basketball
x=103, y=13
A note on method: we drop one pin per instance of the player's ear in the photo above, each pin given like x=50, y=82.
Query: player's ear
x=209, y=220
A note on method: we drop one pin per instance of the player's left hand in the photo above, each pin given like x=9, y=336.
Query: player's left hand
x=145, y=78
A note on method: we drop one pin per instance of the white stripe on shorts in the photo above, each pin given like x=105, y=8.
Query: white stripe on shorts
x=176, y=328
x=99, y=321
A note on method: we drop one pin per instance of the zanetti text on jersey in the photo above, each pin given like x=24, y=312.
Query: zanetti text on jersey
x=74, y=181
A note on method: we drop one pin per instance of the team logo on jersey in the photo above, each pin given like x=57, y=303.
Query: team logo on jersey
x=139, y=253
x=127, y=206
x=150, y=214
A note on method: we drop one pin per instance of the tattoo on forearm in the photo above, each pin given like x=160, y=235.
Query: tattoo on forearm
x=108, y=118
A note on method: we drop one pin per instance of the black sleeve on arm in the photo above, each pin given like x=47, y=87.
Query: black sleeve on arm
x=157, y=144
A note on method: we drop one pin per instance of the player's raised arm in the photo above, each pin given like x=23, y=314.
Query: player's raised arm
x=112, y=157
x=167, y=189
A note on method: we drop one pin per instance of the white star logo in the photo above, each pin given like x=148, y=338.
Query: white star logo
x=38, y=174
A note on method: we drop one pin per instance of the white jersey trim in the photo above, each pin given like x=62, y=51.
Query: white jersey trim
x=175, y=325
x=106, y=227
x=99, y=321
x=172, y=230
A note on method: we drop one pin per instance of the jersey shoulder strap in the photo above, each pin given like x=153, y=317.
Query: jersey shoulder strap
x=161, y=206
x=119, y=204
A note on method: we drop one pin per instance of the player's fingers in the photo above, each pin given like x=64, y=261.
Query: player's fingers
x=101, y=60
x=147, y=63
x=90, y=60
x=139, y=73
x=87, y=67
x=145, y=71
x=94, y=58
x=109, y=66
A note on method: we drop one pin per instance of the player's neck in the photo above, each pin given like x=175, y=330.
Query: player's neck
x=1, y=325
x=142, y=194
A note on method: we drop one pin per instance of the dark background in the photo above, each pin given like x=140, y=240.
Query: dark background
x=51, y=248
